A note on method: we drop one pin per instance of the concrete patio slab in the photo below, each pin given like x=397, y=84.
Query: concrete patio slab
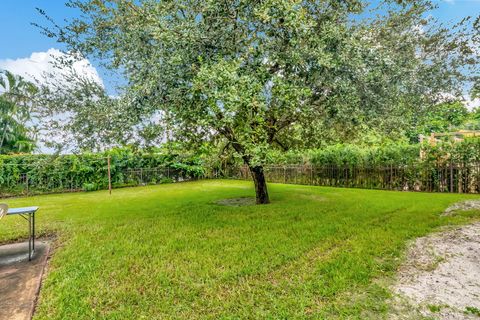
x=20, y=279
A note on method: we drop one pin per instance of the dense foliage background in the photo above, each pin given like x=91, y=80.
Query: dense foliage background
x=21, y=174
x=30, y=174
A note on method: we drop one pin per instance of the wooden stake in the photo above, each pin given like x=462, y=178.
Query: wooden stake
x=109, y=176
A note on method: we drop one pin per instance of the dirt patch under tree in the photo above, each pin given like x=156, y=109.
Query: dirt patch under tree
x=237, y=202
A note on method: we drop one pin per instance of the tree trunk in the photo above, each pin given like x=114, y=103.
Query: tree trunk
x=3, y=137
x=260, y=184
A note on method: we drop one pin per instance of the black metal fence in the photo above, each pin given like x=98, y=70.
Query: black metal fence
x=26, y=184
x=457, y=178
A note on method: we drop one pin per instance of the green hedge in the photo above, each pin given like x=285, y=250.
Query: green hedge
x=466, y=152
x=393, y=154
x=20, y=174
x=351, y=155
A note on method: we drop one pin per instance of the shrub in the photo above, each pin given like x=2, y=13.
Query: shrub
x=351, y=155
x=90, y=187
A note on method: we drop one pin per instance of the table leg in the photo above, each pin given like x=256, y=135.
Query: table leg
x=29, y=237
x=33, y=232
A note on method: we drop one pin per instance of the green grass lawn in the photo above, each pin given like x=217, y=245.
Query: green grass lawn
x=170, y=252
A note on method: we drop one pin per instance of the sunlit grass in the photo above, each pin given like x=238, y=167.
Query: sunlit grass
x=170, y=252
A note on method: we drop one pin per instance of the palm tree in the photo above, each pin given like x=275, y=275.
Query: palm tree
x=16, y=96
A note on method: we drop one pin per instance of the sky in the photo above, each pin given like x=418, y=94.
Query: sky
x=23, y=49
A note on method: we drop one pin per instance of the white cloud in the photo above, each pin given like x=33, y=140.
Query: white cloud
x=467, y=100
x=41, y=63
x=472, y=104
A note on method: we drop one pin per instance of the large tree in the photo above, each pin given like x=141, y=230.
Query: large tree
x=269, y=74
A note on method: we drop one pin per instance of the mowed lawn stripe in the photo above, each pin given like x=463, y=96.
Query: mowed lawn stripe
x=169, y=251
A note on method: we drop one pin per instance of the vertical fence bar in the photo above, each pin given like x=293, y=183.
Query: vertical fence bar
x=440, y=178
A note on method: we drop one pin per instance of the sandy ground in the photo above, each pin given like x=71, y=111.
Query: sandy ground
x=441, y=276
x=462, y=206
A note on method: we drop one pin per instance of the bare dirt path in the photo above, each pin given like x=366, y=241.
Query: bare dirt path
x=20, y=279
x=441, y=276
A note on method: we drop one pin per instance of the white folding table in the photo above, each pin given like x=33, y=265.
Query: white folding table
x=28, y=213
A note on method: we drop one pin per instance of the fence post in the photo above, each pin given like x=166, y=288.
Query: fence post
x=109, y=176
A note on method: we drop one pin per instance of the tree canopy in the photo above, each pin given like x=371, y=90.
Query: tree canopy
x=269, y=74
